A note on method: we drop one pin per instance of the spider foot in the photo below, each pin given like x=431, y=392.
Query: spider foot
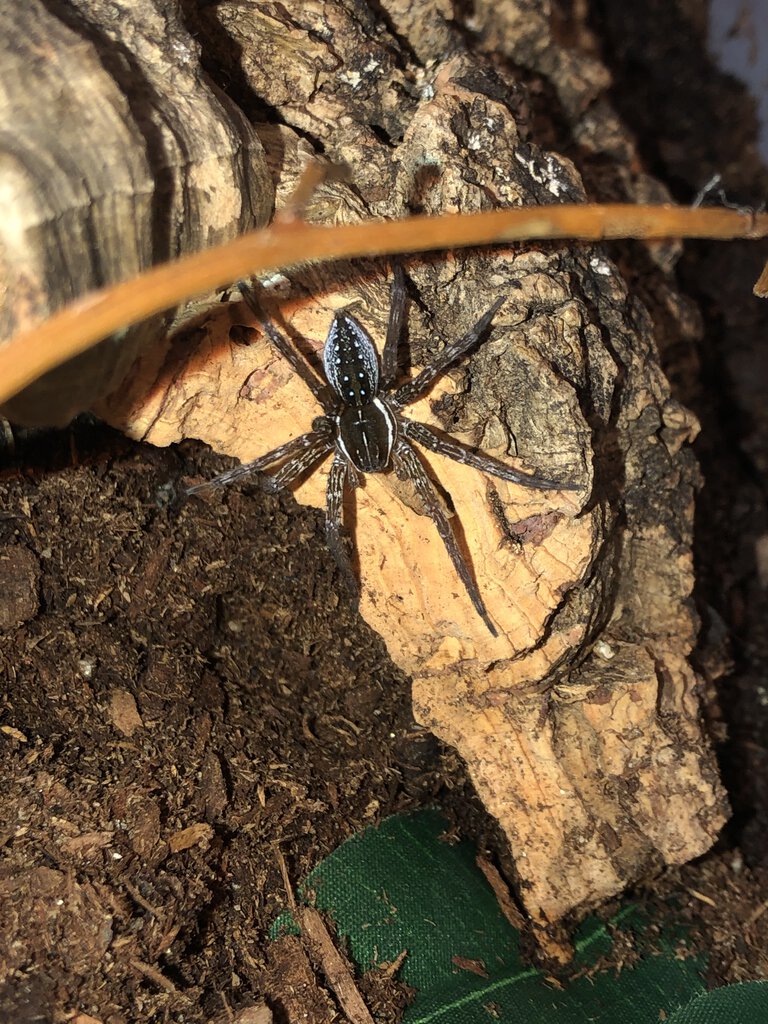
x=491, y=628
x=408, y=467
x=268, y=484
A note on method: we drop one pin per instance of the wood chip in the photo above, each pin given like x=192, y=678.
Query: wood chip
x=391, y=967
x=334, y=967
x=501, y=891
x=756, y=913
x=189, y=837
x=124, y=713
x=154, y=975
x=88, y=843
x=290, y=983
x=465, y=963
x=702, y=898
x=15, y=734
x=259, y=1014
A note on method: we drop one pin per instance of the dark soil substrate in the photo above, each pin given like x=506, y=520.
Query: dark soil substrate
x=179, y=665
x=186, y=695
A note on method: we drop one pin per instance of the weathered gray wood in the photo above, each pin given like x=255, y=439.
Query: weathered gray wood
x=116, y=153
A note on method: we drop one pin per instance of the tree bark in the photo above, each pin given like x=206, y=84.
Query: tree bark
x=580, y=723
x=117, y=153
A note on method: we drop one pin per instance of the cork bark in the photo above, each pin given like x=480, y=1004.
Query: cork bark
x=580, y=723
x=117, y=153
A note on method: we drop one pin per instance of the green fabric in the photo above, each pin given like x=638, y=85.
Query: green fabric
x=734, y=1004
x=403, y=887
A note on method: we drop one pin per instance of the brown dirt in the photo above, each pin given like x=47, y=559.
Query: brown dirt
x=184, y=694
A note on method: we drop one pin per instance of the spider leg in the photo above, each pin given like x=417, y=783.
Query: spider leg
x=453, y=449
x=287, y=350
x=397, y=304
x=297, y=466
x=337, y=479
x=294, y=450
x=408, y=466
x=415, y=388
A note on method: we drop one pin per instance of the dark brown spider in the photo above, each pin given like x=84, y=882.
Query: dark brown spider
x=364, y=426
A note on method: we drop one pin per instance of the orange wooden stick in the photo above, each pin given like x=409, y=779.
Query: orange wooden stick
x=85, y=322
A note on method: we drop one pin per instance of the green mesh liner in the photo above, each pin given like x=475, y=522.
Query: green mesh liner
x=403, y=887
x=734, y=1004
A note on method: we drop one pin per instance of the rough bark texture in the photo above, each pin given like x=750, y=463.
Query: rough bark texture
x=116, y=153
x=580, y=723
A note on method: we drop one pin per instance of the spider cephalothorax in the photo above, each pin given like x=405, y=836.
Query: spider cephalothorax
x=363, y=424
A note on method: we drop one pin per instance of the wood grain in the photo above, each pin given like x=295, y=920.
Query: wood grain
x=117, y=154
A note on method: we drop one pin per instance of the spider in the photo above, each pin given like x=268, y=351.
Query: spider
x=363, y=424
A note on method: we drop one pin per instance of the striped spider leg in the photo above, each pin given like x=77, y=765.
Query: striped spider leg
x=362, y=423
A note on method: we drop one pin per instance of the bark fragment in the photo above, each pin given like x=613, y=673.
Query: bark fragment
x=122, y=155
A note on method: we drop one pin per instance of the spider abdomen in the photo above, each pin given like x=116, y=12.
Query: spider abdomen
x=351, y=363
x=366, y=435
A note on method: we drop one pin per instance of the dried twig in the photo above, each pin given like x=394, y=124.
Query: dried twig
x=85, y=322
x=323, y=951
x=334, y=967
